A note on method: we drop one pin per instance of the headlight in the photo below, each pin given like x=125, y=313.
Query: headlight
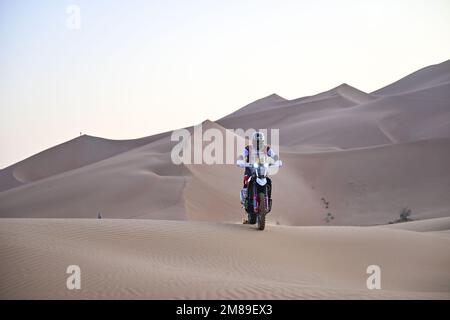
x=255, y=165
x=266, y=165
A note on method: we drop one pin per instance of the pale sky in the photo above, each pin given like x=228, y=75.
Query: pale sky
x=136, y=68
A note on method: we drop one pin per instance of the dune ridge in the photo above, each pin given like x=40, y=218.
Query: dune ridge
x=362, y=152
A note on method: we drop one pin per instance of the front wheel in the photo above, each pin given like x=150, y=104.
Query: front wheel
x=251, y=218
x=261, y=219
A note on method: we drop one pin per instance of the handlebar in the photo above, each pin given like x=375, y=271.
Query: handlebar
x=243, y=164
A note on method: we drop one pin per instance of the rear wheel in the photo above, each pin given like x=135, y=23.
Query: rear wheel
x=261, y=218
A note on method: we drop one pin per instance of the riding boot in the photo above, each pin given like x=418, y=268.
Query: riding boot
x=243, y=196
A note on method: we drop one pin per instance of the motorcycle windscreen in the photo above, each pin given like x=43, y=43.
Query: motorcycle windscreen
x=261, y=171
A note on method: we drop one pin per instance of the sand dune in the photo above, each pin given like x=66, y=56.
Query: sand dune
x=271, y=101
x=301, y=119
x=366, y=155
x=427, y=77
x=364, y=186
x=179, y=260
x=131, y=185
x=349, y=118
x=428, y=225
x=67, y=156
x=371, y=185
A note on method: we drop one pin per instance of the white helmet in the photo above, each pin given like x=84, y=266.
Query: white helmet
x=258, y=140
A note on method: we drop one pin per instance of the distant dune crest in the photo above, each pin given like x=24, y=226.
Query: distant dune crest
x=424, y=78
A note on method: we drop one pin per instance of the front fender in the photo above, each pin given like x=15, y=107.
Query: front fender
x=261, y=181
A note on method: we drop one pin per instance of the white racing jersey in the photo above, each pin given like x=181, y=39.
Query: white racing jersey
x=250, y=153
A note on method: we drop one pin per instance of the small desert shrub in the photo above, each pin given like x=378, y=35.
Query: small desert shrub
x=404, y=214
x=329, y=217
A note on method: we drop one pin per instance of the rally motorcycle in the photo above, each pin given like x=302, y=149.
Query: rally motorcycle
x=257, y=198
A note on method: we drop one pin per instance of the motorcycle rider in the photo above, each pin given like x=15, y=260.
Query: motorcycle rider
x=256, y=148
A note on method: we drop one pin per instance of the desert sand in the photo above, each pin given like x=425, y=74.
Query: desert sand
x=160, y=259
x=172, y=231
